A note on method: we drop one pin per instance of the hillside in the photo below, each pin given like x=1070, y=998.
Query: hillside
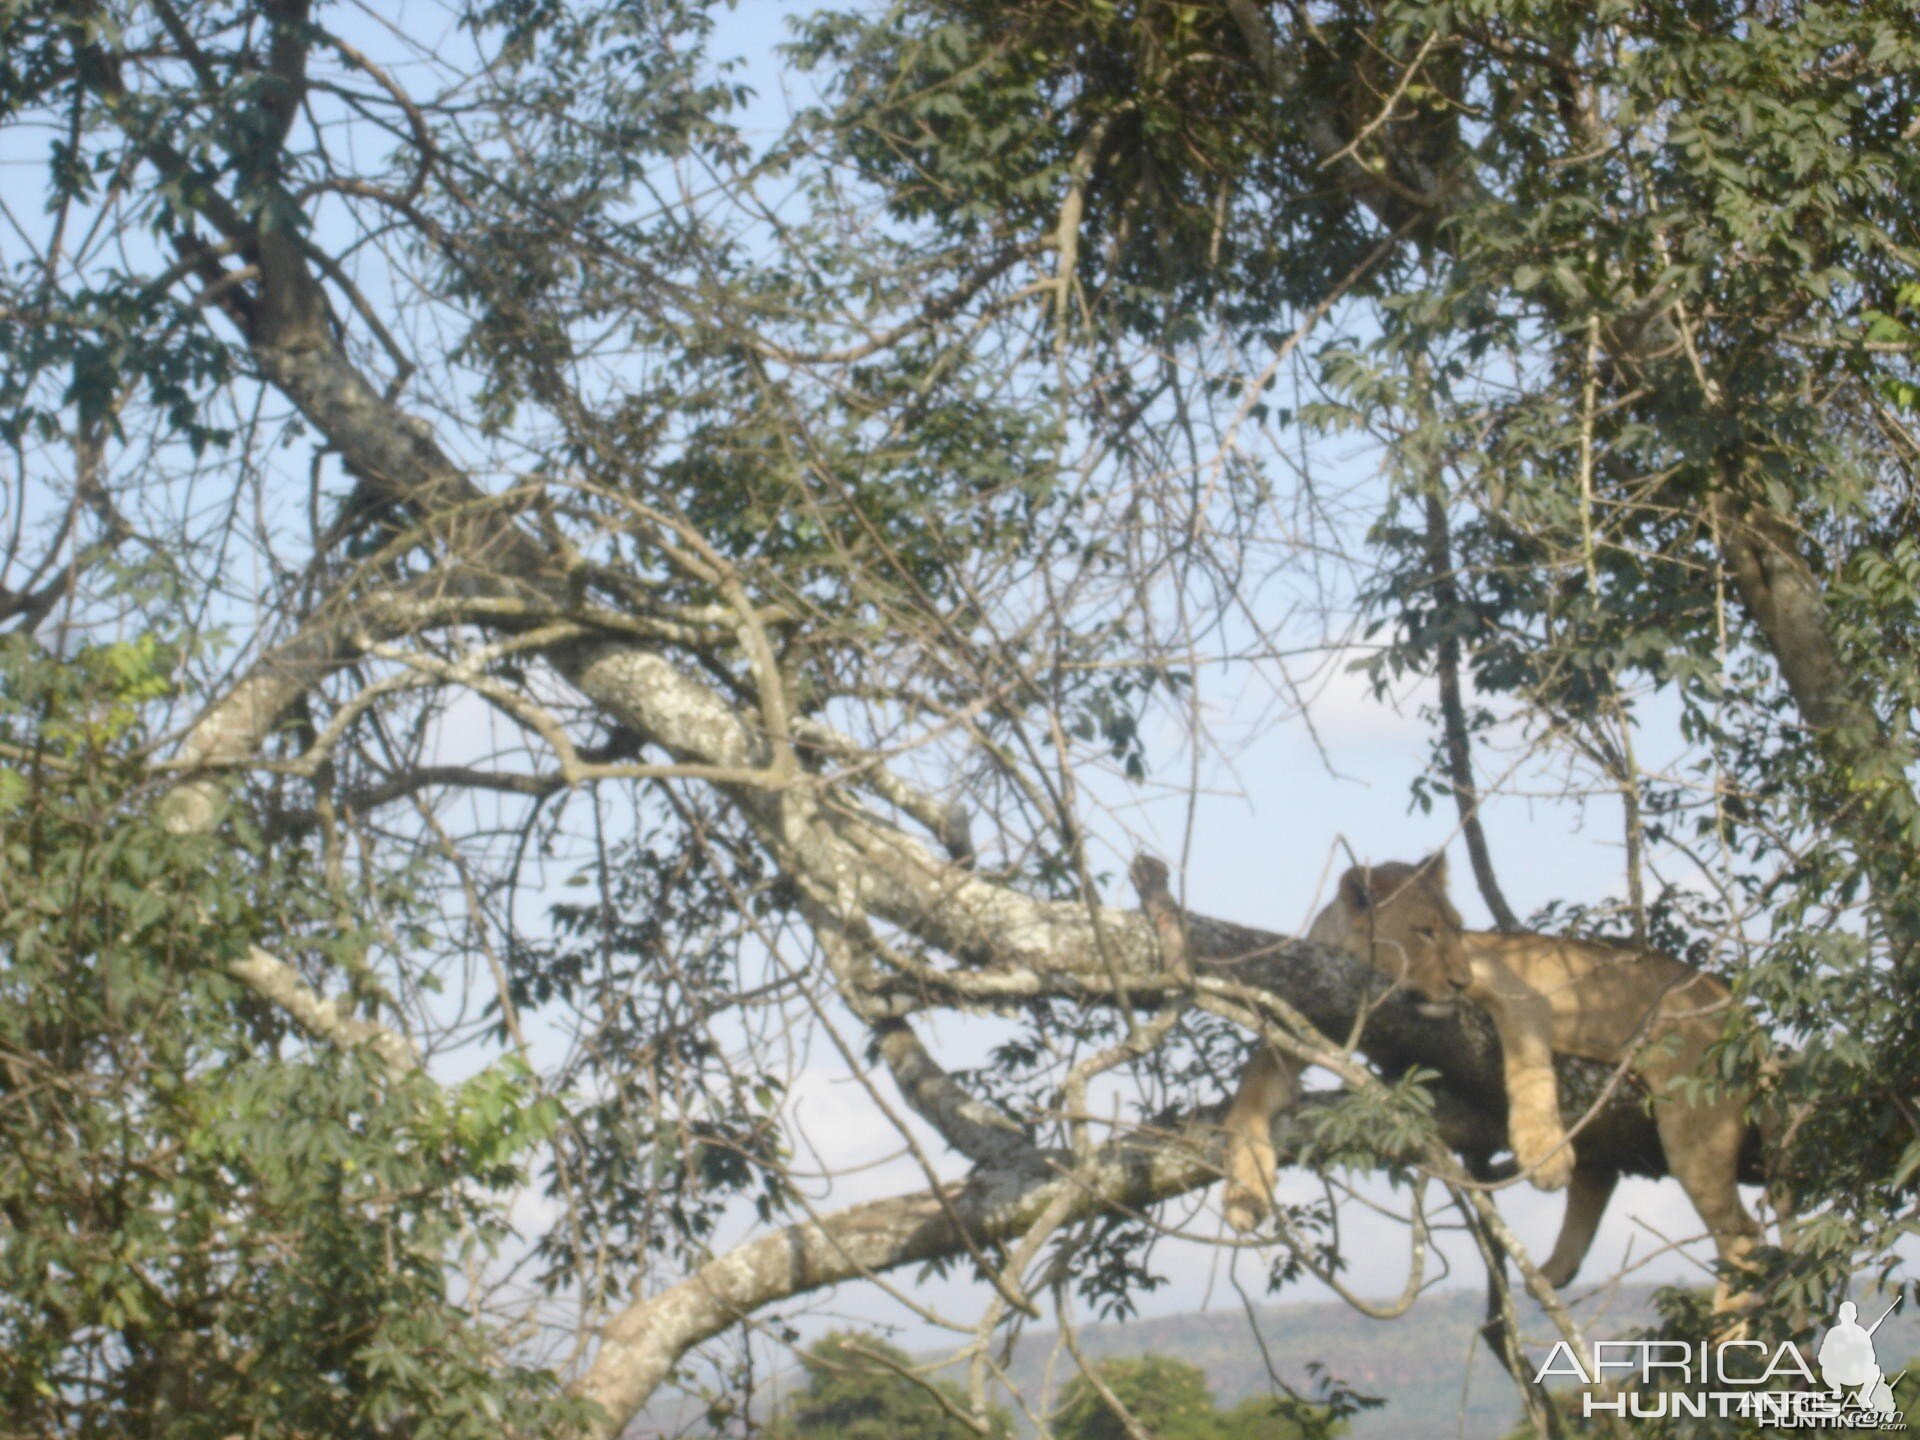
x=1428, y=1366
x=1437, y=1379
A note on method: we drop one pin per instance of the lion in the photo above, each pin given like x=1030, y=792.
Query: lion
x=1546, y=995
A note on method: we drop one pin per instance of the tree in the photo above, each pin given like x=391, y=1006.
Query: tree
x=654, y=602
x=1259, y=1417
x=205, y=1234
x=866, y=1389
x=1170, y=1400
x=1164, y=1398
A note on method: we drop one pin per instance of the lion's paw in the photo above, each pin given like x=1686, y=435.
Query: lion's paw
x=1245, y=1209
x=1546, y=1159
x=1559, y=1275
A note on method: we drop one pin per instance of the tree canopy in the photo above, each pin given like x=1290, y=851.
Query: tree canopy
x=549, y=599
x=862, y=1388
x=1170, y=1400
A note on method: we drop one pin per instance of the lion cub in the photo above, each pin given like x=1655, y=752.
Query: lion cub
x=1546, y=995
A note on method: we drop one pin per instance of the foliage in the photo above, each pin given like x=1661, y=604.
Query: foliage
x=860, y=1387
x=1644, y=355
x=965, y=440
x=1170, y=1400
x=207, y=1228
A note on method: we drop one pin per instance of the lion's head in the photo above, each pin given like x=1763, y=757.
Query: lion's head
x=1399, y=920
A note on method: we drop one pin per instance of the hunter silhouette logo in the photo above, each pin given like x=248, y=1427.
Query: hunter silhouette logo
x=1847, y=1361
x=1661, y=1378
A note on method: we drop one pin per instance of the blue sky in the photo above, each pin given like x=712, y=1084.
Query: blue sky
x=1256, y=830
x=1280, y=788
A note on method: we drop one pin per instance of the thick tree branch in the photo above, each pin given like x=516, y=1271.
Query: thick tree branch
x=875, y=870
x=640, y=1346
x=1780, y=590
x=976, y=1129
x=235, y=726
x=274, y=980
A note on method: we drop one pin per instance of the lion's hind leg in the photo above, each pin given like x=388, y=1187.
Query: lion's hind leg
x=1702, y=1143
x=1587, y=1200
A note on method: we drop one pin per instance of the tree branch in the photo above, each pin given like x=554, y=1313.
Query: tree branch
x=1453, y=713
x=640, y=1346
x=1778, y=588
x=274, y=980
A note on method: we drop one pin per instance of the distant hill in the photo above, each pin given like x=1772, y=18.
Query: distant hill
x=1438, y=1380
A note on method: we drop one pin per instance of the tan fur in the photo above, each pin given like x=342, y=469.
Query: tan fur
x=1546, y=995
x=1269, y=1085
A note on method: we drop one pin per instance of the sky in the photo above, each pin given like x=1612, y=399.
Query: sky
x=1283, y=788
x=1277, y=799
x=1276, y=802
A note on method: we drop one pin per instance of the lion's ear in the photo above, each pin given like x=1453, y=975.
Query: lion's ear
x=1436, y=866
x=1353, y=891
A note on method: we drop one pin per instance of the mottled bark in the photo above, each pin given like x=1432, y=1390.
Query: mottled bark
x=640, y=1346
x=1007, y=944
x=1783, y=594
x=274, y=980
